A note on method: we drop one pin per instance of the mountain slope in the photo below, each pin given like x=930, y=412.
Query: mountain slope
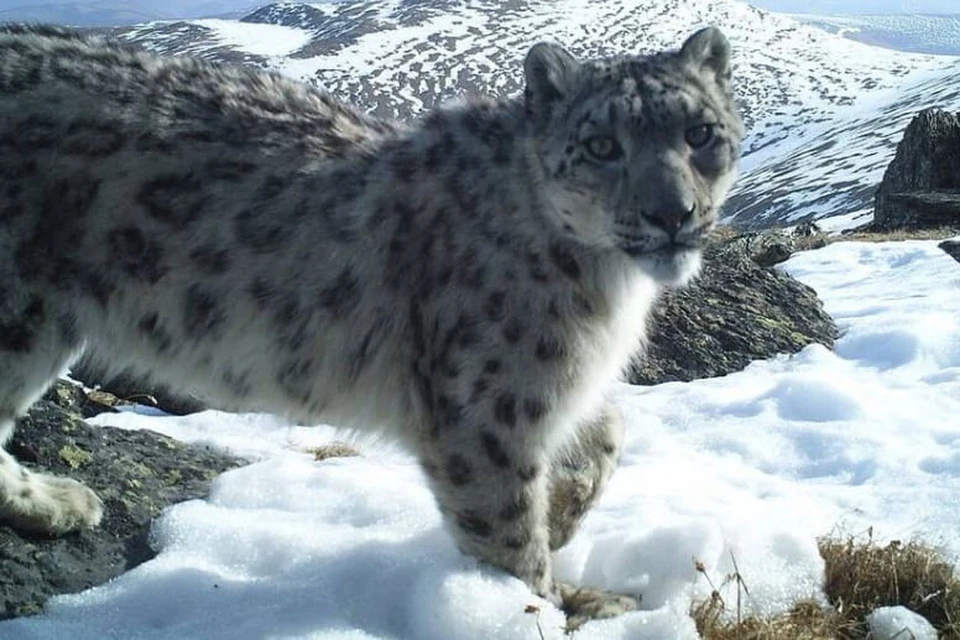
x=397, y=57
x=922, y=33
x=831, y=171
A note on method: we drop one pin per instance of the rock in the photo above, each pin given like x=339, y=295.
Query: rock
x=136, y=473
x=773, y=254
x=808, y=235
x=736, y=312
x=952, y=248
x=921, y=187
x=766, y=248
x=807, y=229
x=915, y=209
x=131, y=388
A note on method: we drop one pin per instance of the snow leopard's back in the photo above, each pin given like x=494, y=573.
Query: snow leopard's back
x=181, y=218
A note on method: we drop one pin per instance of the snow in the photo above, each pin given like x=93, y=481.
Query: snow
x=899, y=623
x=749, y=468
x=259, y=39
x=824, y=113
x=841, y=222
x=829, y=171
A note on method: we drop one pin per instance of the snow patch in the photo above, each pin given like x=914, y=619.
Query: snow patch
x=258, y=39
x=899, y=623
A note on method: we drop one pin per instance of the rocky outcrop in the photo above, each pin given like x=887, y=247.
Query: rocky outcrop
x=136, y=473
x=921, y=187
x=736, y=312
x=951, y=248
x=133, y=388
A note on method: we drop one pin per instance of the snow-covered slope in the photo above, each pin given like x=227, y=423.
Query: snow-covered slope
x=824, y=113
x=922, y=33
x=828, y=7
x=398, y=57
x=754, y=465
x=251, y=43
x=830, y=171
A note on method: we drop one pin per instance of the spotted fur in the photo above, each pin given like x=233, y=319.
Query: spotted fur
x=472, y=284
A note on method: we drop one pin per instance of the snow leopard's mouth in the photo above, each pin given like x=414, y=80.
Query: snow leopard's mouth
x=670, y=264
x=661, y=251
x=663, y=246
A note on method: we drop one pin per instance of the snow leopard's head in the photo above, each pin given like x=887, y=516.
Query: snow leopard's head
x=637, y=153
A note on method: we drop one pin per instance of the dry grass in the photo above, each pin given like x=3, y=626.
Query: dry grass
x=717, y=619
x=334, y=449
x=860, y=576
x=727, y=233
x=866, y=235
x=806, y=621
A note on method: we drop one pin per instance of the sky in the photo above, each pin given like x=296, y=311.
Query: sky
x=793, y=6
x=859, y=6
x=157, y=6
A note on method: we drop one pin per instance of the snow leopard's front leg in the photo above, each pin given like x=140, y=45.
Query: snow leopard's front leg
x=494, y=497
x=494, y=487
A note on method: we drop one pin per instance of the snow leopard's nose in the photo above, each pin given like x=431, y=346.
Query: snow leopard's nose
x=669, y=216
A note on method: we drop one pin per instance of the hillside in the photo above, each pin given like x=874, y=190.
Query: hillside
x=824, y=112
x=921, y=33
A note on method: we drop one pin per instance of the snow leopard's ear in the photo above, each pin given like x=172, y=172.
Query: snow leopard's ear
x=709, y=50
x=551, y=74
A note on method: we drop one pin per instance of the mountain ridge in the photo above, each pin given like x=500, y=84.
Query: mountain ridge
x=396, y=58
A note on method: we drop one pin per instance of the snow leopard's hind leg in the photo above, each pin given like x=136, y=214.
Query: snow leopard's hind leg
x=36, y=345
x=580, y=471
x=578, y=474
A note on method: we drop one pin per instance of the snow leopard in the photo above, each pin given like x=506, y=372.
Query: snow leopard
x=471, y=284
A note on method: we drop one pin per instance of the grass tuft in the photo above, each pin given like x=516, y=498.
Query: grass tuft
x=334, y=449
x=869, y=234
x=860, y=576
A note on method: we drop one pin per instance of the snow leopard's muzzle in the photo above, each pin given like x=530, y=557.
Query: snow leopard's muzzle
x=664, y=225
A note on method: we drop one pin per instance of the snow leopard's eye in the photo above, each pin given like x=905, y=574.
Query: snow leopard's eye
x=700, y=135
x=603, y=148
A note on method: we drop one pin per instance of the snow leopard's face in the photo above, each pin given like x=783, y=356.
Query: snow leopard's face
x=637, y=154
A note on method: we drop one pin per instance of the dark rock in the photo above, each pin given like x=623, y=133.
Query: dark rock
x=917, y=209
x=136, y=473
x=766, y=248
x=952, y=248
x=807, y=229
x=774, y=254
x=736, y=312
x=132, y=388
x=808, y=235
x=921, y=187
